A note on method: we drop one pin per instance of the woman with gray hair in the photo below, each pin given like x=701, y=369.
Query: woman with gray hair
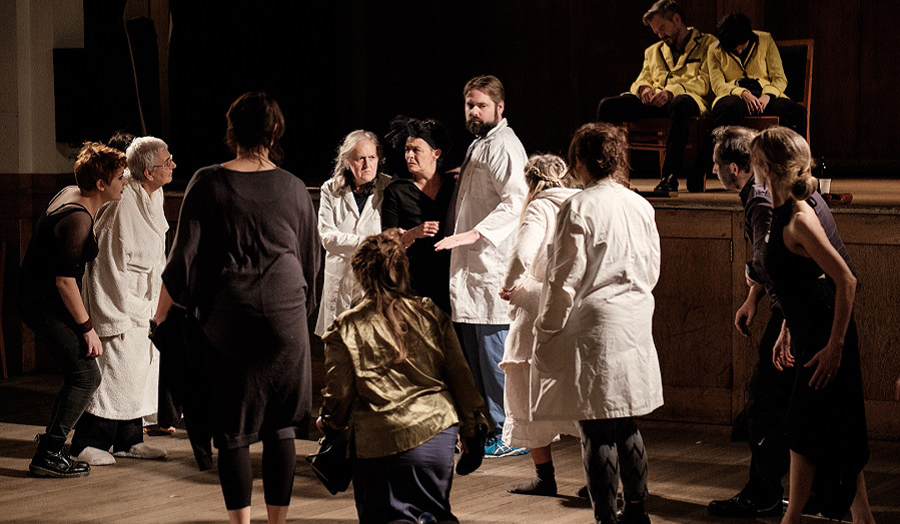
x=349, y=211
x=120, y=289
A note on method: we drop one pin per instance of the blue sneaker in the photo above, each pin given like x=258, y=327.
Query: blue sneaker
x=495, y=448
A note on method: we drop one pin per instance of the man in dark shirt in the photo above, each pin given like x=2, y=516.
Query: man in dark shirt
x=763, y=421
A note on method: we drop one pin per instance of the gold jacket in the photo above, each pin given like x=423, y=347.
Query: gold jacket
x=688, y=76
x=396, y=406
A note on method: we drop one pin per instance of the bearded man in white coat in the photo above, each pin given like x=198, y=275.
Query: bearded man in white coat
x=594, y=357
x=490, y=195
x=120, y=289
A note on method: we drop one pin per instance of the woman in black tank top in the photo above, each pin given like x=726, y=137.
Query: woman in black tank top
x=49, y=297
x=826, y=424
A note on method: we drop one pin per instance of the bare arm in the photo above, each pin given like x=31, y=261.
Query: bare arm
x=805, y=236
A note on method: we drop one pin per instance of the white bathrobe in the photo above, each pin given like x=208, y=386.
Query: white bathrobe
x=526, y=273
x=594, y=356
x=121, y=289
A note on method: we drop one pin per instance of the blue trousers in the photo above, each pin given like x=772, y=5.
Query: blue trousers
x=483, y=345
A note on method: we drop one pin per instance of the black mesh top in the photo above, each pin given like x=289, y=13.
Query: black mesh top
x=62, y=243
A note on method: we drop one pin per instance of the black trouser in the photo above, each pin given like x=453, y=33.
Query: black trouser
x=627, y=108
x=766, y=421
x=103, y=433
x=730, y=111
x=48, y=317
x=612, y=449
x=279, y=458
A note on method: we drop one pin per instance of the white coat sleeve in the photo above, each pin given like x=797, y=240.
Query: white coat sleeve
x=334, y=240
x=565, y=270
x=531, y=235
x=508, y=179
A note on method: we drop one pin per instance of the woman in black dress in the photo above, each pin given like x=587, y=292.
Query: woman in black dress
x=49, y=297
x=816, y=287
x=418, y=205
x=244, y=263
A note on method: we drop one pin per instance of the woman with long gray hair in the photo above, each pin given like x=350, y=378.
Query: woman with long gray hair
x=349, y=211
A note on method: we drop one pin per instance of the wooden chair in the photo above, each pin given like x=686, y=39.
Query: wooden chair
x=797, y=59
x=650, y=134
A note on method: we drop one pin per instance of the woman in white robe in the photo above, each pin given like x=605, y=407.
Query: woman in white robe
x=121, y=289
x=595, y=357
x=526, y=273
x=349, y=211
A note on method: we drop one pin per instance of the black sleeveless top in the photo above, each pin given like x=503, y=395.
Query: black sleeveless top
x=62, y=243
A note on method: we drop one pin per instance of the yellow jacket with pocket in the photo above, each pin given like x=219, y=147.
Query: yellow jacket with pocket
x=763, y=63
x=688, y=76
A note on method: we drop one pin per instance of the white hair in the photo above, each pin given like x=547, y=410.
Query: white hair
x=342, y=161
x=141, y=154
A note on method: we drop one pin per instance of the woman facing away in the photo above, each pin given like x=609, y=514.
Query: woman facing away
x=826, y=426
x=547, y=179
x=121, y=289
x=594, y=358
x=49, y=297
x=419, y=204
x=396, y=376
x=349, y=211
x=244, y=264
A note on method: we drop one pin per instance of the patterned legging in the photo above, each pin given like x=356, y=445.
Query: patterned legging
x=612, y=449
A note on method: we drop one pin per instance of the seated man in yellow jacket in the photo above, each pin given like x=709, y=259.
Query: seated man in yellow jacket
x=673, y=83
x=747, y=77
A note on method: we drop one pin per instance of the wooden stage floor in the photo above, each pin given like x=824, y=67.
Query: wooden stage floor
x=689, y=465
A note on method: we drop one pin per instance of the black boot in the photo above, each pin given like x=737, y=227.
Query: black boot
x=51, y=461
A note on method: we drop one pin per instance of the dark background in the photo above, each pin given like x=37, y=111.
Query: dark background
x=341, y=65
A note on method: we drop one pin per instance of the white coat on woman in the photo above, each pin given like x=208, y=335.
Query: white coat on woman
x=594, y=356
x=526, y=273
x=120, y=290
x=342, y=228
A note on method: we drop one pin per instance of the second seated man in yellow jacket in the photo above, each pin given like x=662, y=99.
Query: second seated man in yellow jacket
x=747, y=77
x=673, y=83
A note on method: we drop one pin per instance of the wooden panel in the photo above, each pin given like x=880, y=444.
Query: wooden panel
x=691, y=223
x=695, y=404
x=876, y=317
x=693, y=301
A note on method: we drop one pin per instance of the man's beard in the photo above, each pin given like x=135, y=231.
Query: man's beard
x=479, y=127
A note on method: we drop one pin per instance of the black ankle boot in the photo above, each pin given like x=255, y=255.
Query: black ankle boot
x=51, y=461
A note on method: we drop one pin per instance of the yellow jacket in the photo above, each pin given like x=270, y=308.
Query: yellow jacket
x=688, y=76
x=763, y=63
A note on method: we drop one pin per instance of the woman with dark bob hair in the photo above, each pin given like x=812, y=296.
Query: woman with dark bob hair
x=244, y=264
x=594, y=357
x=826, y=422
x=396, y=376
x=49, y=297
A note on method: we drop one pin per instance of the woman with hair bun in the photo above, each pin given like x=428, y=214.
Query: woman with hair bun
x=419, y=204
x=826, y=426
x=548, y=181
x=244, y=264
